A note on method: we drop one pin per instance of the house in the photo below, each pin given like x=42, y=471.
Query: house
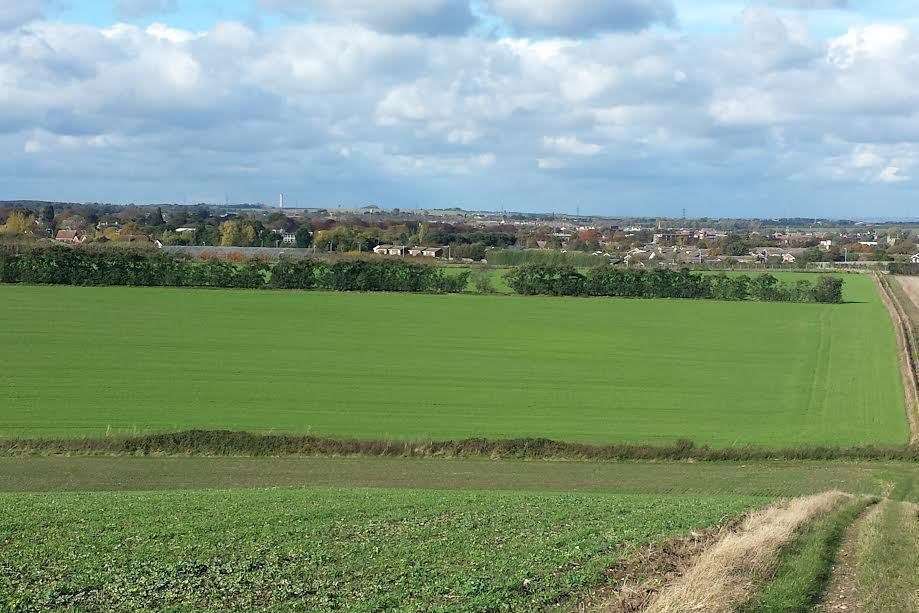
x=427, y=252
x=390, y=249
x=826, y=245
x=914, y=258
x=184, y=230
x=288, y=238
x=71, y=237
x=788, y=256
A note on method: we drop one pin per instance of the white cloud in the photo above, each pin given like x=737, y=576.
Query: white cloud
x=343, y=108
x=570, y=145
x=869, y=43
x=891, y=174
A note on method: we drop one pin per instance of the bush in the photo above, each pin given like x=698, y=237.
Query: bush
x=563, y=280
x=482, y=282
x=828, y=289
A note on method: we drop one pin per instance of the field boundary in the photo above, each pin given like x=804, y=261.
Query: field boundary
x=908, y=349
x=249, y=444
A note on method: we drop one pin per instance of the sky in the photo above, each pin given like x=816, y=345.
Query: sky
x=754, y=108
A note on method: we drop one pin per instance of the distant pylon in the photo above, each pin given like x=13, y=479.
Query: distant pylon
x=281, y=201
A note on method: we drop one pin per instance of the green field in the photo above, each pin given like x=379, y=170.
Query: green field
x=327, y=549
x=899, y=481
x=87, y=361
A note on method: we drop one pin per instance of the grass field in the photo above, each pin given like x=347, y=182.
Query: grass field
x=325, y=549
x=90, y=360
x=899, y=481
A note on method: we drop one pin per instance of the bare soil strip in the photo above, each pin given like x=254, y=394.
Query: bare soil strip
x=907, y=348
x=725, y=575
x=842, y=589
x=633, y=583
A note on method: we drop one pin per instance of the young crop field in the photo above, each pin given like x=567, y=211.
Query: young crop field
x=772, y=479
x=325, y=549
x=86, y=361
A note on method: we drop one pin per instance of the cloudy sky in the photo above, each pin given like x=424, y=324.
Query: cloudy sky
x=724, y=107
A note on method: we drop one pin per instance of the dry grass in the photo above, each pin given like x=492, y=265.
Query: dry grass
x=725, y=576
x=633, y=582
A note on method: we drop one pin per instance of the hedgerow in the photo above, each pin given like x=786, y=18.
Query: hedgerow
x=239, y=443
x=60, y=265
x=563, y=280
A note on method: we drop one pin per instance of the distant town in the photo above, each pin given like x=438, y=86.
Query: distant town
x=466, y=236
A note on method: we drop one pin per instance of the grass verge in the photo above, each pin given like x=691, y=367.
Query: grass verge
x=805, y=566
x=888, y=556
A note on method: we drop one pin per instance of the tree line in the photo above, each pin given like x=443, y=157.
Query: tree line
x=60, y=265
x=563, y=280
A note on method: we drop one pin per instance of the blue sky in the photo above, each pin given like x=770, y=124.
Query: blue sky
x=724, y=107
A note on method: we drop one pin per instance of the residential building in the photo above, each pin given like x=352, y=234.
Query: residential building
x=390, y=249
x=70, y=237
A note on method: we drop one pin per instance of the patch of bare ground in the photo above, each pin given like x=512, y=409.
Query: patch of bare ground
x=841, y=594
x=633, y=583
x=725, y=575
x=910, y=286
x=906, y=348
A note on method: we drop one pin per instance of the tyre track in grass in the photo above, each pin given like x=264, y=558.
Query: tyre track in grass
x=888, y=559
x=841, y=595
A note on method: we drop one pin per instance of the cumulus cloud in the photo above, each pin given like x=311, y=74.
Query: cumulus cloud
x=395, y=16
x=347, y=111
x=132, y=9
x=579, y=17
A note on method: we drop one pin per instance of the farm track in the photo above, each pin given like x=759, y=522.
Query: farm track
x=635, y=581
x=908, y=348
x=726, y=575
x=842, y=589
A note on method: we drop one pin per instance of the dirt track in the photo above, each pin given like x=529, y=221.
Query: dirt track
x=911, y=287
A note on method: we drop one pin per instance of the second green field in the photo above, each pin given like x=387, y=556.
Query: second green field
x=86, y=361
